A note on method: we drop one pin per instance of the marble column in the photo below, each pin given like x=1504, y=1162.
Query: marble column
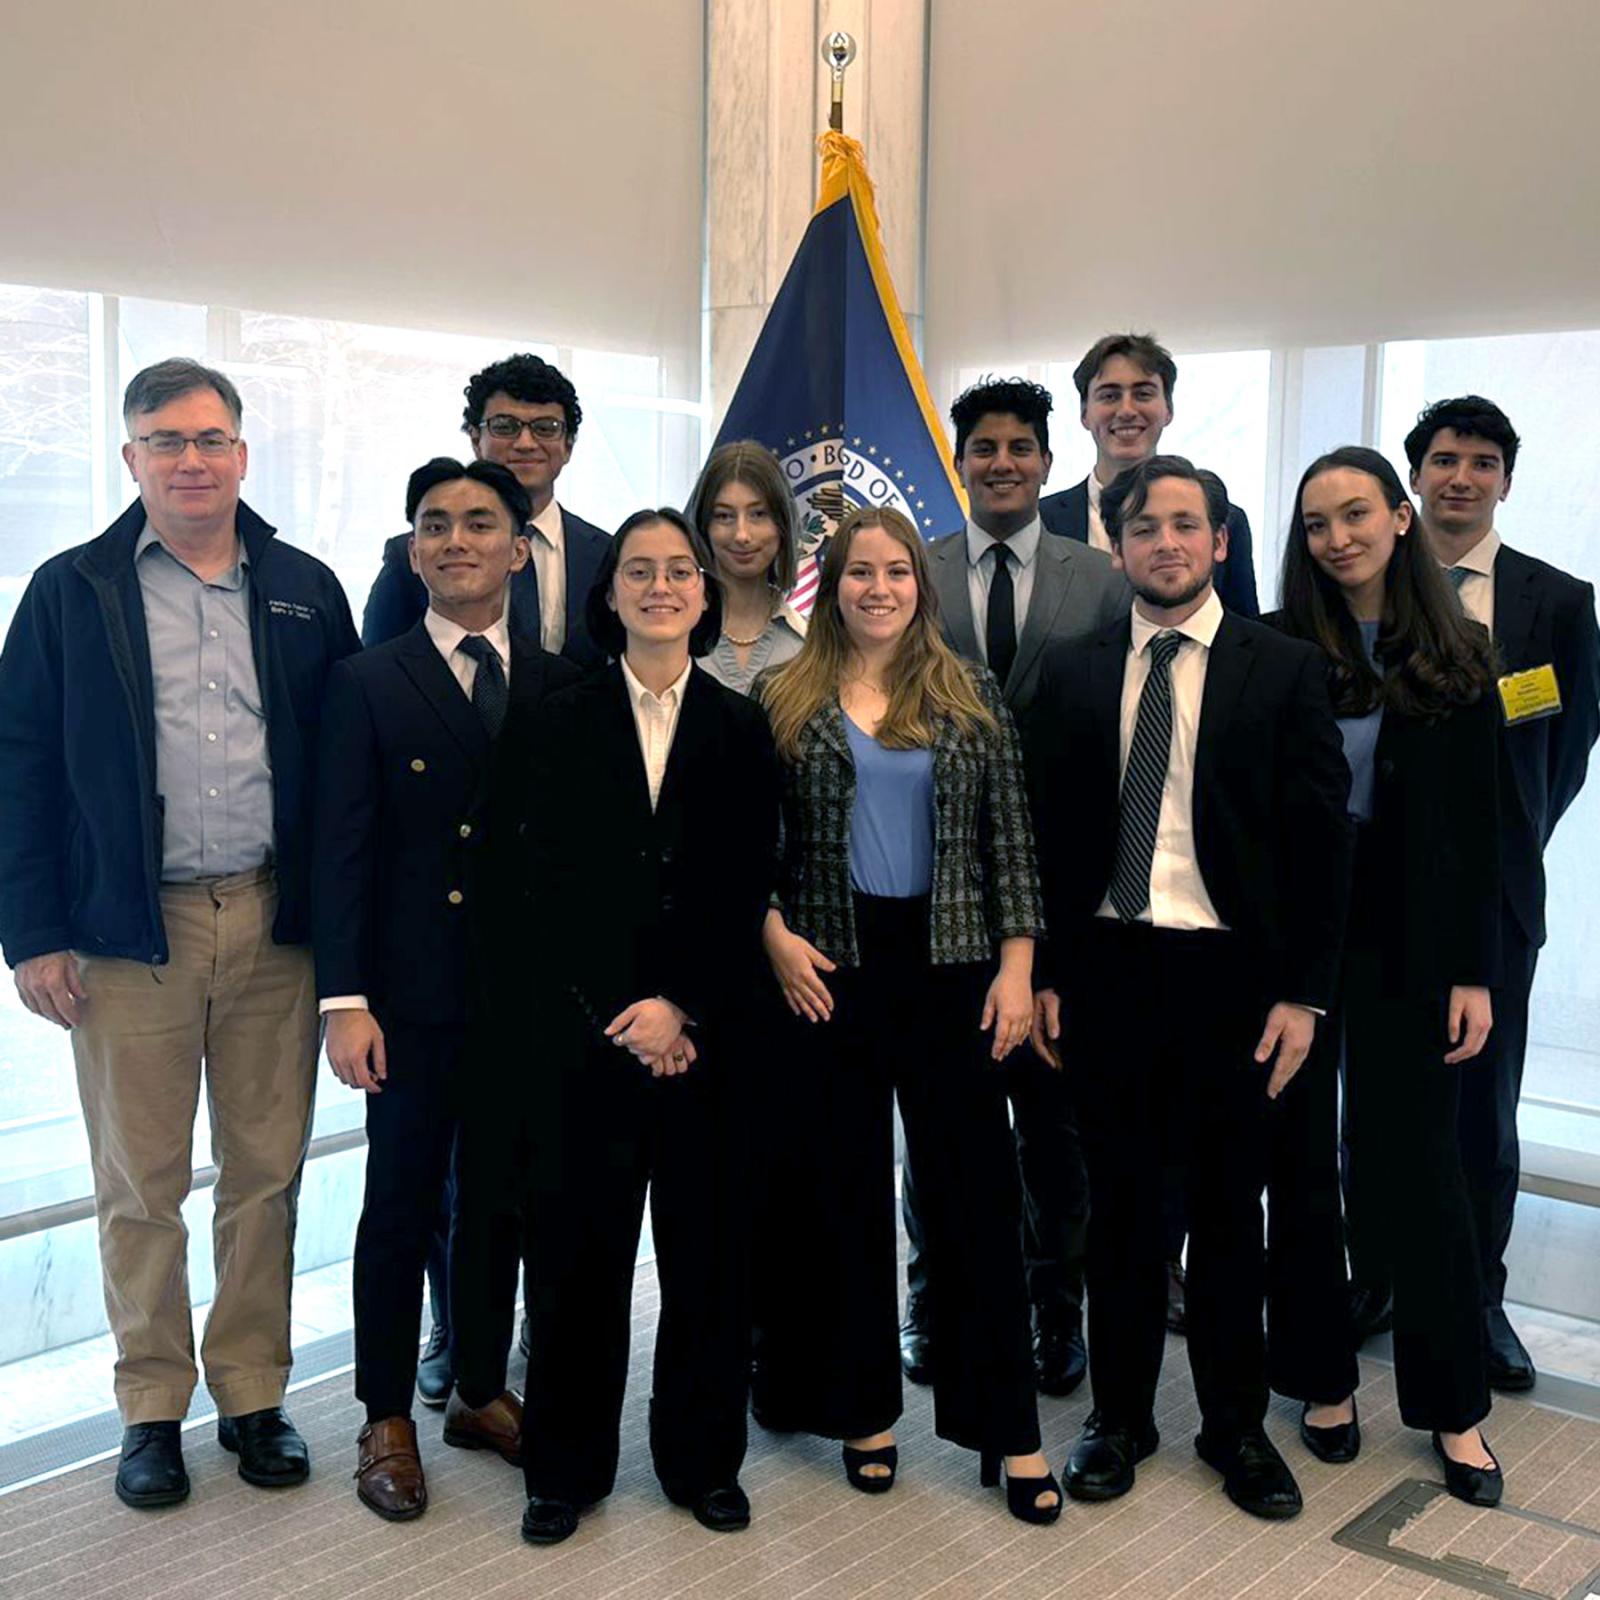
x=767, y=95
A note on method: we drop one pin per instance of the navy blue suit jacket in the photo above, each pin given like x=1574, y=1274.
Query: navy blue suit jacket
x=397, y=598
x=1067, y=514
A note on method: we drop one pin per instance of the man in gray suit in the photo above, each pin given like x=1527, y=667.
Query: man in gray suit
x=1007, y=589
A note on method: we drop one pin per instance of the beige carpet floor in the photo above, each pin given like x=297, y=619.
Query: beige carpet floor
x=937, y=1534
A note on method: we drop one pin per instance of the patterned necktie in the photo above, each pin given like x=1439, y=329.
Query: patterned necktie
x=1000, y=626
x=489, y=694
x=1143, y=783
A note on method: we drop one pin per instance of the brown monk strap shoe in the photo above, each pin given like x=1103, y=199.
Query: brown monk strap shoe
x=496, y=1426
x=389, y=1471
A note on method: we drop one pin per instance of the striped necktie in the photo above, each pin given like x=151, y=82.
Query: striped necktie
x=1144, y=782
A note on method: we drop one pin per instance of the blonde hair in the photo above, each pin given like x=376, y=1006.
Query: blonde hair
x=926, y=682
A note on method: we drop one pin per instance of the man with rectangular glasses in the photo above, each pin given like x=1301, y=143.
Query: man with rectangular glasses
x=160, y=696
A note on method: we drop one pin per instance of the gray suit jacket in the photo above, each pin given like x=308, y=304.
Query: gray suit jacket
x=1076, y=593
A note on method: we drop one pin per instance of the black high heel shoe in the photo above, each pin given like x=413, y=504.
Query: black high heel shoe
x=1478, y=1486
x=1022, y=1494
x=887, y=1455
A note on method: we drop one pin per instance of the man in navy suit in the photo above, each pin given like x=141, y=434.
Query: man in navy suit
x=523, y=413
x=1462, y=454
x=1125, y=385
x=406, y=874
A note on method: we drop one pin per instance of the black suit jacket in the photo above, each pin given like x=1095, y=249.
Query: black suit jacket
x=627, y=903
x=406, y=869
x=1272, y=837
x=1542, y=616
x=1067, y=514
x=397, y=598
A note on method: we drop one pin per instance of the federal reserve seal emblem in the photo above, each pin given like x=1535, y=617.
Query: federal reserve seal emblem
x=830, y=473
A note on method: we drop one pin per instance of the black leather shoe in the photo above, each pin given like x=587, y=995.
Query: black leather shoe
x=1478, y=1486
x=1371, y=1311
x=1177, y=1297
x=1336, y=1444
x=1101, y=1464
x=1510, y=1366
x=916, y=1342
x=271, y=1453
x=151, y=1472
x=435, y=1376
x=724, y=1510
x=1059, y=1357
x=549, y=1521
x=1256, y=1478
x=524, y=1342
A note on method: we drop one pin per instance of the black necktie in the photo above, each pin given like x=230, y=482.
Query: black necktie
x=1000, y=628
x=1144, y=782
x=489, y=693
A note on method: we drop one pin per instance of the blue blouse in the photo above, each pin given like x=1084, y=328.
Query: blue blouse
x=891, y=826
x=1360, y=735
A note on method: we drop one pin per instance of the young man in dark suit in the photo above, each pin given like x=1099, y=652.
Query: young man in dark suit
x=1189, y=805
x=405, y=880
x=1007, y=589
x=1125, y=384
x=1462, y=454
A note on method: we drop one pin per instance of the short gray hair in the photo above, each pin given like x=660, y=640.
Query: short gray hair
x=170, y=380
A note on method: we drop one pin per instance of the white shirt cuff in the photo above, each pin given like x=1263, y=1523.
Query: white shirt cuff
x=343, y=1002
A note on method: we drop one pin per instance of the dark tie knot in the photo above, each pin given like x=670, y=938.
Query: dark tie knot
x=1163, y=648
x=478, y=647
x=1002, y=555
x=1456, y=576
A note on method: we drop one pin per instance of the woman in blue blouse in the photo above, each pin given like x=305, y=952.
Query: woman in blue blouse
x=903, y=931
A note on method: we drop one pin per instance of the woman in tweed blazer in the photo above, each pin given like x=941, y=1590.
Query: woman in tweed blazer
x=901, y=933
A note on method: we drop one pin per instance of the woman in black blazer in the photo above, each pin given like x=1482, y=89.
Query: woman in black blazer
x=646, y=892
x=907, y=908
x=1412, y=682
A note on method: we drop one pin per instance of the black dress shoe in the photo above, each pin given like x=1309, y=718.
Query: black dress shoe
x=272, y=1455
x=1371, y=1311
x=1336, y=1444
x=1478, y=1486
x=1059, y=1357
x=524, y=1342
x=1256, y=1478
x=151, y=1472
x=916, y=1342
x=549, y=1521
x=1177, y=1297
x=1101, y=1464
x=435, y=1376
x=1510, y=1365
x=724, y=1510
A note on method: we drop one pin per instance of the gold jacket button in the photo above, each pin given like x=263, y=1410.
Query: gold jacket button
x=419, y=765
x=466, y=830
x=455, y=897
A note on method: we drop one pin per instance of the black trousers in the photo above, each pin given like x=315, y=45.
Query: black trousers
x=603, y=1132
x=830, y=1361
x=493, y=1157
x=1311, y=1354
x=1055, y=1194
x=1160, y=1029
x=1491, y=1086
x=411, y=1128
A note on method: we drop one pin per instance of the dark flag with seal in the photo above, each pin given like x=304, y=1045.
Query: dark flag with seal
x=834, y=386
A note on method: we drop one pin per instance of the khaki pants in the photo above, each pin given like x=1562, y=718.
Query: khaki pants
x=247, y=1008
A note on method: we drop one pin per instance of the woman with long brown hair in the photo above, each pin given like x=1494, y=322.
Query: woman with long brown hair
x=1411, y=679
x=903, y=930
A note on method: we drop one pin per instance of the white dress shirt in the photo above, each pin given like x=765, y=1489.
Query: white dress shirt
x=1178, y=897
x=446, y=636
x=655, y=718
x=547, y=543
x=1024, y=547
x=1099, y=539
x=1477, y=590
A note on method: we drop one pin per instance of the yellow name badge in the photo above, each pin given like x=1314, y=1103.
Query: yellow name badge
x=1526, y=696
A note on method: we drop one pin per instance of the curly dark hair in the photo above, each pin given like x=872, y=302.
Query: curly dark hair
x=1431, y=657
x=527, y=378
x=1009, y=397
x=1469, y=415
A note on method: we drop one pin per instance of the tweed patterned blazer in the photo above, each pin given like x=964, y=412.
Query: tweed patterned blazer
x=985, y=879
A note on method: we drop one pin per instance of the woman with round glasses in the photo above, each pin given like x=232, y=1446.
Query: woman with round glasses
x=743, y=510
x=1412, y=684
x=646, y=893
x=908, y=905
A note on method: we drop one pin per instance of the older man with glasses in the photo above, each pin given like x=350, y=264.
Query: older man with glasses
x=160, y=695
